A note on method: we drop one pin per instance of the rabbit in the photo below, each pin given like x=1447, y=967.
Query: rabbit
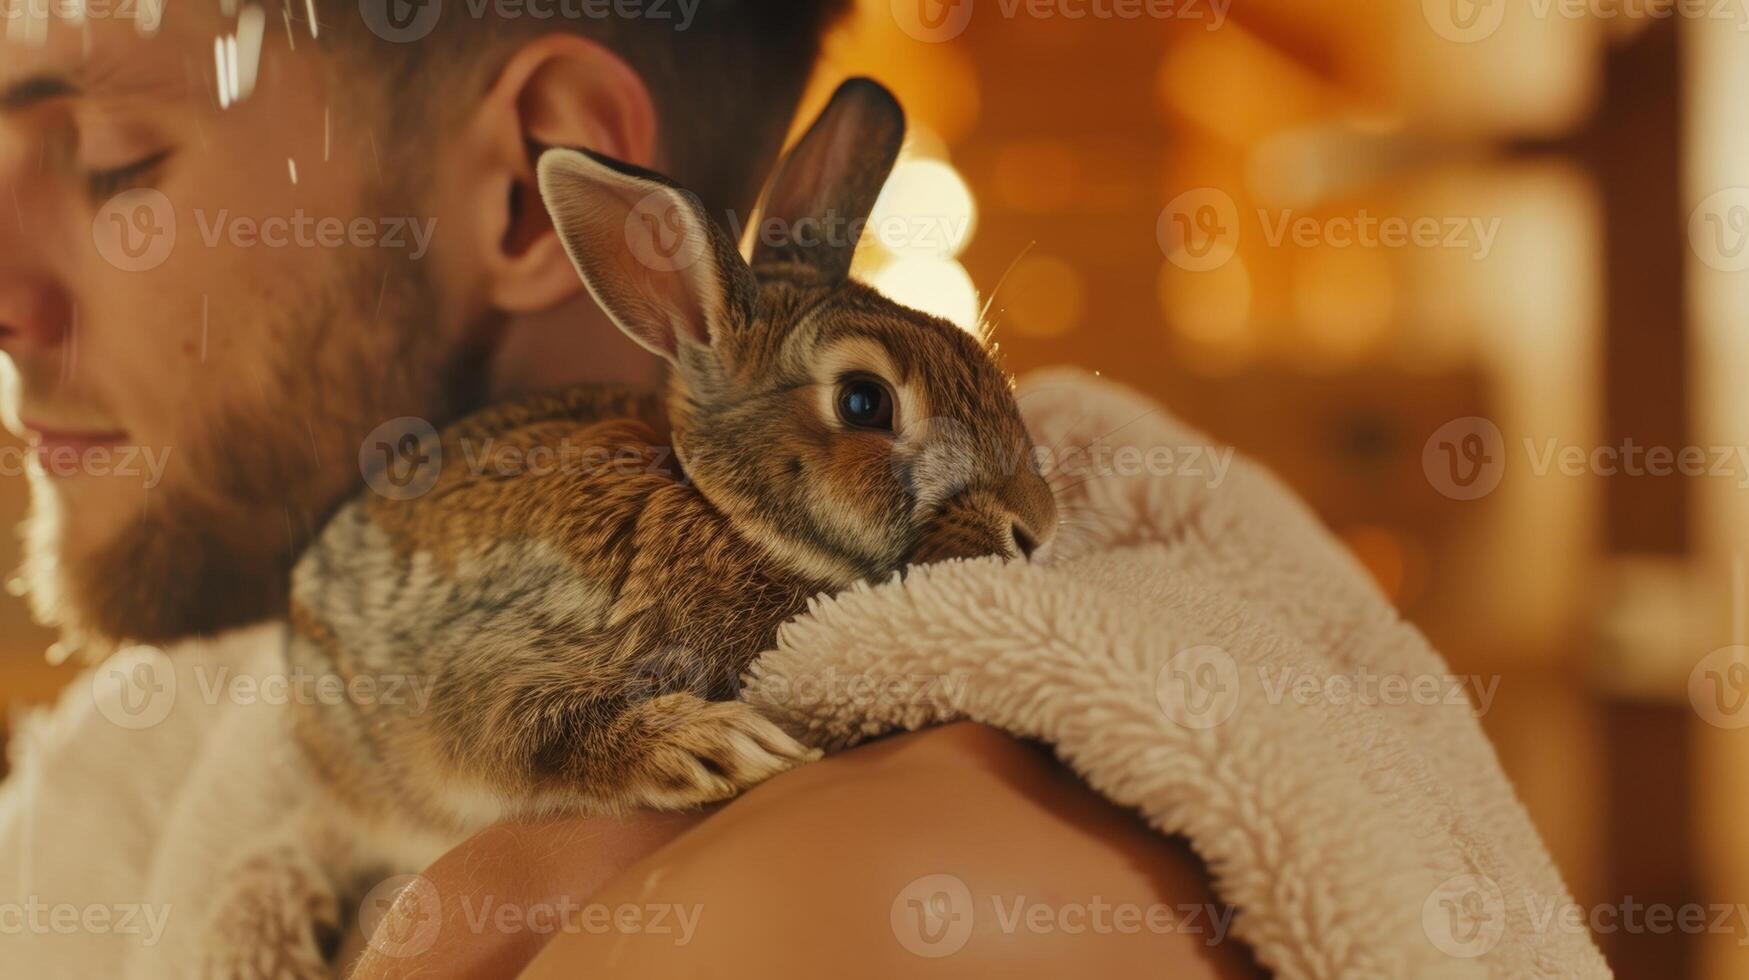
x=583, y=627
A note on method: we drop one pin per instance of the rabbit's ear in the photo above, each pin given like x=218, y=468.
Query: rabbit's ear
x=826, y=186
x=650, y=255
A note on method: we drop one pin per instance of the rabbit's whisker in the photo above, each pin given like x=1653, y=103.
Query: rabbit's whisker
x=997, y=289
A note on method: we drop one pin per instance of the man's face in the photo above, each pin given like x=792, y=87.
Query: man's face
x=204, y=308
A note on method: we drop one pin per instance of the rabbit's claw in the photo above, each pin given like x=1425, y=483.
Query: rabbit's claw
x=721, y=749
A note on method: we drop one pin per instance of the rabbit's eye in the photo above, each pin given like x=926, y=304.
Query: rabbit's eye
x=864, y=403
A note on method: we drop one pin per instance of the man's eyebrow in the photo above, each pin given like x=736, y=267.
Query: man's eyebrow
x=37, y=88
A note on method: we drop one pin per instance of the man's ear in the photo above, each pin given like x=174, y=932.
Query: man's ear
x=665, y=273
x=558, y=90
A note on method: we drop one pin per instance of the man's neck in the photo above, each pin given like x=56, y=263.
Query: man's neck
x=571, y=344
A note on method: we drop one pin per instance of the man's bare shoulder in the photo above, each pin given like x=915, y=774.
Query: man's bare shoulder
x=953, y=852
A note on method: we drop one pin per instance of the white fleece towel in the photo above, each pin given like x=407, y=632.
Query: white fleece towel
x=1165, y=650
x=1355, y=840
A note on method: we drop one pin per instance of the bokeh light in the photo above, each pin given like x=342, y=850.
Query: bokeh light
x=1210, y=314
x=925, y=209
x=941, y=287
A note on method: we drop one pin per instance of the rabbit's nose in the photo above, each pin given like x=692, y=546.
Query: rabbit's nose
x=1024, y=543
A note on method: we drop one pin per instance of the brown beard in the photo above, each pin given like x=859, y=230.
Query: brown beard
x=156, y=582
x=213, y=549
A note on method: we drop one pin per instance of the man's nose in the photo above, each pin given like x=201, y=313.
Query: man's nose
x=35, y=313
x=36, y=307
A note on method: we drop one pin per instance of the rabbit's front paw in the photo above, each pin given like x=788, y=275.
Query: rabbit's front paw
x=279, y=920
x=716, y=750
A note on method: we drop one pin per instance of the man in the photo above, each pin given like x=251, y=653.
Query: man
x=241, y=266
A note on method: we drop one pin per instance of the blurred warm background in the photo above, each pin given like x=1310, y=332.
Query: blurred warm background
x=1134, y=184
